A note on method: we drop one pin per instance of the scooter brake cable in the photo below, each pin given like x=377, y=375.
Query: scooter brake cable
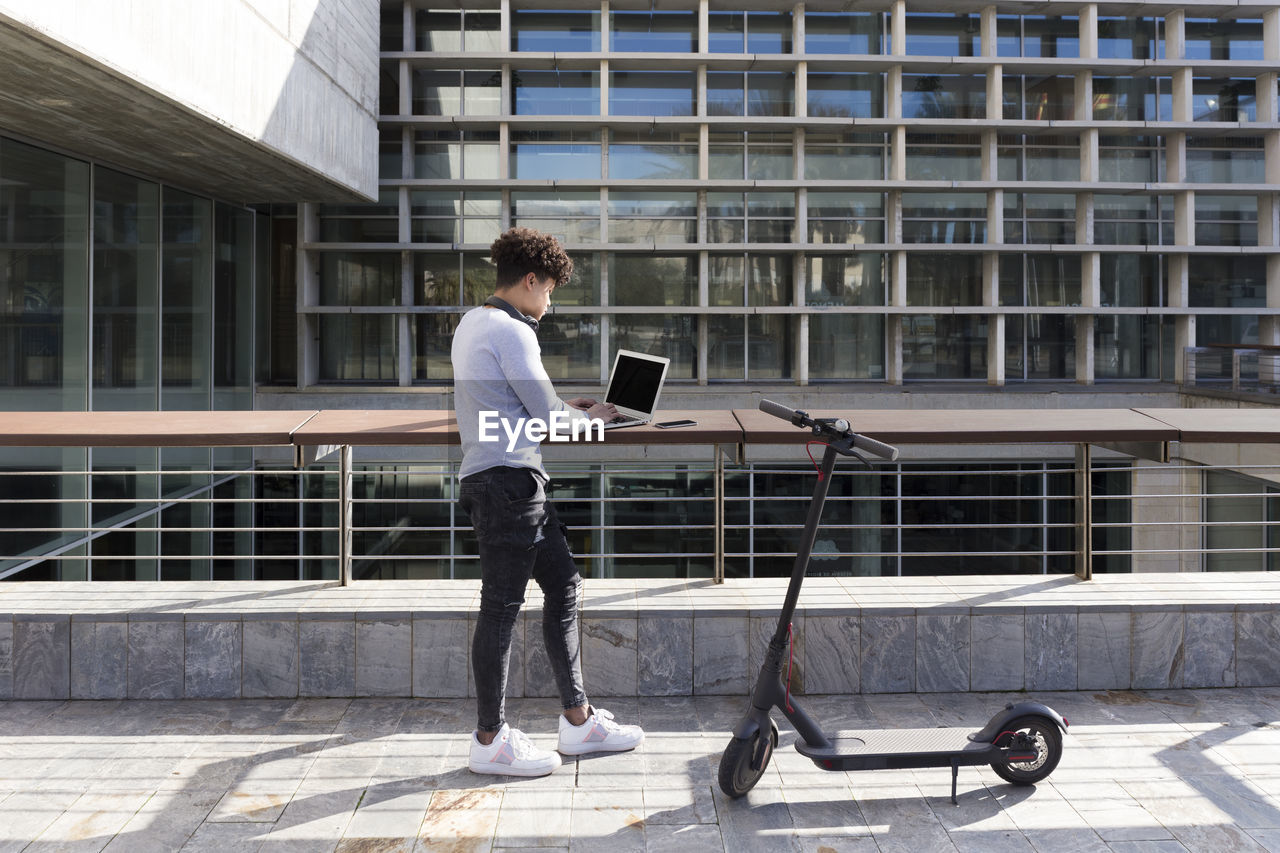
x=816, y=466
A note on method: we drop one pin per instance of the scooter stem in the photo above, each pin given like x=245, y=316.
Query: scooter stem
x=806, y=546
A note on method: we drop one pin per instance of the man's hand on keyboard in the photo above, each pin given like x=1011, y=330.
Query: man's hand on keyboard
x=604, y=411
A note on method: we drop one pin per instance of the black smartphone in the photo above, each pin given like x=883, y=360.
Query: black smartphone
x=674, y=424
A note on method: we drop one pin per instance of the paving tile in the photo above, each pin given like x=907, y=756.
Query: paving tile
x=90, y=822
x=682, y=839
x=677, y=805
x=165, y=823
x=25, y=815
x=460, y=821
x=534, y=817
x=611, y=819
x=759, y=822
x=388, y=819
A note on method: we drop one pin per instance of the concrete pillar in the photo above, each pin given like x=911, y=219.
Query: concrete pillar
x=800, y=275
x=802, y=89
x=1089, y=168
x=504, y=22
x=1175, y=158
x=995, y=321
x=1182, y=94
x=990, y=158
x=1265, y=98
x=1184, y=218
x=893, y=324
x=995, y=92
x=404, y=332
x=701, y=107
x=1084, y=218
x=606, y=42
x=1175, y=21
x=1084, y=96
x=898, y=156
x=604, y=87
x=1089, y=31
x=797, y=29
x=1086, y=325
x=704, y=153
x=308, y=288
x=893, y=92
x=1185, y=324
x=898, y=28
x=704, y=26
x=987, y=31
x=703, y=291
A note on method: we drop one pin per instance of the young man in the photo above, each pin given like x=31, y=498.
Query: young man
x=498, y=368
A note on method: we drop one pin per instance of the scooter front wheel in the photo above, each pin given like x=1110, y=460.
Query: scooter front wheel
x=1042, y=732
x=738, y=770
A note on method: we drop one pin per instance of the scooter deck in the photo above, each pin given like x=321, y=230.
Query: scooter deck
x=878, y=749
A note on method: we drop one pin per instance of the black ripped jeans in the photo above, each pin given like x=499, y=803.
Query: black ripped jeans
x=520, y=537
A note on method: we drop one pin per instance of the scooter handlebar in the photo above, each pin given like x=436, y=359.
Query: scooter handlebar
x=778, y=410
x=801, y=419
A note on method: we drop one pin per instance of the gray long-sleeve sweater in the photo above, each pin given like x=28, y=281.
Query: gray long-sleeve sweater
x=497, y=367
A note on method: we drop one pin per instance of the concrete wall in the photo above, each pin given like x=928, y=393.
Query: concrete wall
x=296, y=79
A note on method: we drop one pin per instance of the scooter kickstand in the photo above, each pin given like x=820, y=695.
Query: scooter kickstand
x=955, y=772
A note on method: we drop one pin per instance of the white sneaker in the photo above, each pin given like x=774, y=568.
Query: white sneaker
x=511, y=754
x=598, y=734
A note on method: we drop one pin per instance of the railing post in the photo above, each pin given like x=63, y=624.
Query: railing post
x=718, y=565
x=344, y=514
x=1084, y=514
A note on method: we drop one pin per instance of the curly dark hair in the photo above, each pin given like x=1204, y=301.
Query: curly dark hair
x=521, y=251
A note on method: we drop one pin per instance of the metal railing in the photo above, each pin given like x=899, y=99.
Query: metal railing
x=1233, y=367
x=342, y=520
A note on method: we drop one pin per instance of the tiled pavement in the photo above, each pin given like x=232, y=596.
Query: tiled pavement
x=1142, y=771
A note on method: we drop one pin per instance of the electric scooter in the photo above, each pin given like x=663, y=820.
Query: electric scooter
x=1022, y=742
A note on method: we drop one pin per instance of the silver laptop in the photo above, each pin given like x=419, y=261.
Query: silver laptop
x=634, y=385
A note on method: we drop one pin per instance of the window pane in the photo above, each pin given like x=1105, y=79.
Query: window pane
x=944, y=279
x=836, y=158
x=359, y=278
x=358, y=348
x=769, y=32
x=570, y=345
x=943, y=96
x=555, y=156
x=834, y=94
x=857, y=279
x=555, y=93
x=186, y=323
x=846, y=346
x=944, y=346
x=940, y=34
x=536, y=30
x=670, y=335
x=126, y=277
x=842, y=32
x=661, y=32
x=653, y=280
x=660, y=160
x=658, y=93
x=44, y=267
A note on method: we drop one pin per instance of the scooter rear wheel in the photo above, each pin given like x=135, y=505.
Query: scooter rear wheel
x=1048, y=740
x=737, y=776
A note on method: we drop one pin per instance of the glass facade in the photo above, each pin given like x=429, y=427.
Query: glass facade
x=120, y=294
x=831, y=197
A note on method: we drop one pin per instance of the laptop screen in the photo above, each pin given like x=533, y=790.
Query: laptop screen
x=635, y=383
